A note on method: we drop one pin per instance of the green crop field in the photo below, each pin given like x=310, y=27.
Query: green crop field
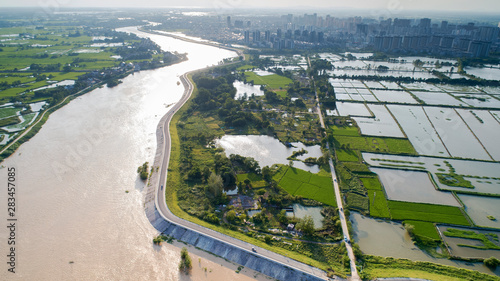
x=345, y=131
x=378, y=204
x=246, y=67
x=273, y=81
x=372, y=183
x=346, y=155
x=308, y=185
x=357, y=167
x=374, y=144
x=357, y=201
x=256, y=180
x=426, y=229
x=427, y=212
x=8, y=111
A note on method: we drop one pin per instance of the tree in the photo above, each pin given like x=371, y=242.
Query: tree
x=267, y=239
x=492, y=262
x=143, y=171
x=231, y=216
x=282, y=218
x=306, y=225
x=215, y=184
x=411, y=229
x=185, y=264
x=267, y=174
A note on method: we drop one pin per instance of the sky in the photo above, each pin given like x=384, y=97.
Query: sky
x=377, y=6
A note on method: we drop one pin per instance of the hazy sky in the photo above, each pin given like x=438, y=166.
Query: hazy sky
x=379, y=6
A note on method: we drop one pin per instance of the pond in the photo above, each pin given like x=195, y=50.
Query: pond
x=394, y=96
x=246, y=90
x=268, y=150
x=412, y=186
x=480, y=174
x=478, y=100
x=353, y=109
x=468, y=252
x=300, y=211
x=438, y=98
x=419, y=130
x=382, y=125
x=484, y=72
x=485, y=127
x=252, y=213
x=479, y=208
x=390, y=239
x=455, y=134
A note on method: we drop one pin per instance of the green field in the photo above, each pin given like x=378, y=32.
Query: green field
x=256, y=180
x=378, y=202
x=427, y=212
x=8, y=111
x=357, y=202
x=245, y=67
x=346, y=155
x=374, y=144
x=345, y=131
x=426, y=229
x=273, y=81
x=28, y=118
x=308, y=185
x=357, y=167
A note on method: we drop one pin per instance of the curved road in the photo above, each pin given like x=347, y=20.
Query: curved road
x=160, y=199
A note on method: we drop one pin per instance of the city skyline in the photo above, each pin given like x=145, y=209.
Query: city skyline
x=489, y=6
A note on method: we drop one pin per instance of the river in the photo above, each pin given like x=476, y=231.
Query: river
x=79, y=201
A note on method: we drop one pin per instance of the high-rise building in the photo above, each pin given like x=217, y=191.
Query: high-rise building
x=444, y=25
x=267, y=35
x=238, y=23
x=425, y=23
x=247, y=37
x=229, y=21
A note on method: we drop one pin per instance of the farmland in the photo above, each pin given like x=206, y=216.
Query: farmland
x=307, y=185
x=427, y=213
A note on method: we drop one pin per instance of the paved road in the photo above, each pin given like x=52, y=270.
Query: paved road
x=338, y=195
x=160, y=199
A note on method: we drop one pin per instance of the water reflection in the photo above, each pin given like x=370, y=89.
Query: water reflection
x=268, y=150
x=390, y=239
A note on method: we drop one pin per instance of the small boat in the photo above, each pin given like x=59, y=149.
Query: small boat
x=178, y=83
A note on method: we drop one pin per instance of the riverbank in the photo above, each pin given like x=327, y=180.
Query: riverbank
x=33, y=129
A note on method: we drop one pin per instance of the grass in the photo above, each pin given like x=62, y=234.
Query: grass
x=427, y=212
x=453, y=179
x=273, y=81
x=426, y=229
x=308, y=185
